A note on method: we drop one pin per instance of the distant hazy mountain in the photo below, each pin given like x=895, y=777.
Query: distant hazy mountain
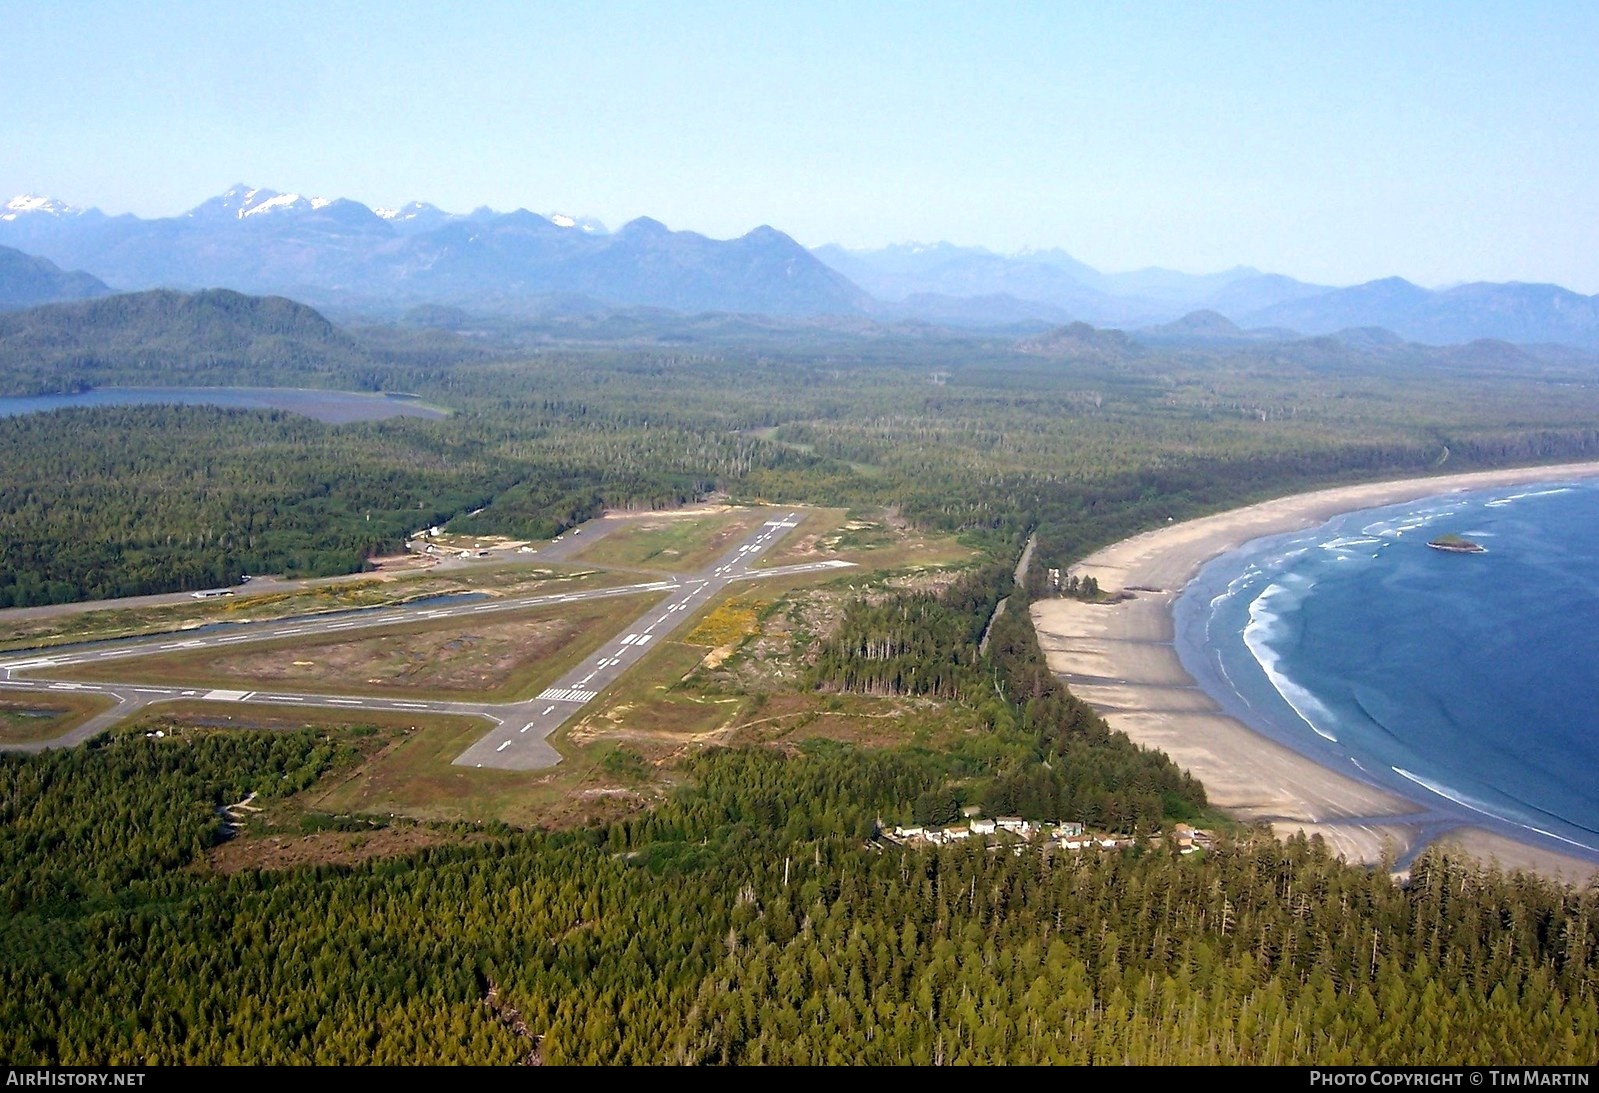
x=218, y=336
x=1351, y=352
x=217, y=320
x=1247, y=295
x=1203, y=325
x=927, y=279
x=998, y=310
x=1368, y=337
x=1511, y=312
x=907, y=272
x=1171, y=288
x=342, y=255
x=340, y=251
x=1080, y=342
x=27, y=281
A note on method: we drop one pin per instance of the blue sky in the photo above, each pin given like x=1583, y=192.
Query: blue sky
x=1333, y=142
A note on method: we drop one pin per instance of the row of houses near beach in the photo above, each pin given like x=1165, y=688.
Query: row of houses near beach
x=1066, y=836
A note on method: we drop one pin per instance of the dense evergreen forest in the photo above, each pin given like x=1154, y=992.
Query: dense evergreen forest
x=958, y=434
x=211, y=338
x=752, y=915
x=121, y=501
x=745, y=920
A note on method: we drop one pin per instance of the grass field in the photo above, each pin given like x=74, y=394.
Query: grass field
x=27, y=717
x=685, y=544
x=729, y=679
x=875, y=542
x=865, y=720
x=401, y=773
x=523, y=579
x=650, y=707
x=498, y=658
x=413, y=777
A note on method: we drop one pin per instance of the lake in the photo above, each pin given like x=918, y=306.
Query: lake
x=333, y=407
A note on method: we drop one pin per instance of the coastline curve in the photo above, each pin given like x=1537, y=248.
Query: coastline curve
x=1122, y=658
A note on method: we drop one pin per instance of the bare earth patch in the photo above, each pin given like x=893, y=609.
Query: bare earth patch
x=27, y=716
x=481, y=657
x=882, y=541
x=327, y=848
x=773, y=646
x=789, y=719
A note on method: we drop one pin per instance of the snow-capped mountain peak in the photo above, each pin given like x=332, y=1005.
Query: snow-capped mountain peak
x=585, y=224
x=407, y=212
x=254, y=207
x=25, y=204
x=241, y=202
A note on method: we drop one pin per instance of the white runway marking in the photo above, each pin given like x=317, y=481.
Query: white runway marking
x=567, y=694
x=685, y=591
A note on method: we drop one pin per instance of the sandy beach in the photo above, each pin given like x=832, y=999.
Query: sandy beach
x=1119, y=657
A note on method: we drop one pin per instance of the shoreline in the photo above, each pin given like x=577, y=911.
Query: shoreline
x=1120, y=658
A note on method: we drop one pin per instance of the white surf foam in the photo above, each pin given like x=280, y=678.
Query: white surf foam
x=1454, y=795
x=1510, y=499
x=1265, y=626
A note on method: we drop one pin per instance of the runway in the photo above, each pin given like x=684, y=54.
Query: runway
x=519, y=738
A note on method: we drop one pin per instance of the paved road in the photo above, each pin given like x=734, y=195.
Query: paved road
x=520, y=744
x=239, y=633
x=556, y=550
x=519, y=739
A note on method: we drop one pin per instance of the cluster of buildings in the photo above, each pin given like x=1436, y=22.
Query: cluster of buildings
x=1066, y=836
x=1014, y=826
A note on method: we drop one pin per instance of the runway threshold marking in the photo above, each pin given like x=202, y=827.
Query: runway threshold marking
x=735, y=568
x=566, y=694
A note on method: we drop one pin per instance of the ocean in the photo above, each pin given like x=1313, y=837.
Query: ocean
x=1468, y=683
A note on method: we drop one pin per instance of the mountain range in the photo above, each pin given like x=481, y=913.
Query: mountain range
x=341, y=253
x=27, y=281
x=1052, y=287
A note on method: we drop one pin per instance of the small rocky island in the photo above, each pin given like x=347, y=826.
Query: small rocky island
x=1457, y=544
